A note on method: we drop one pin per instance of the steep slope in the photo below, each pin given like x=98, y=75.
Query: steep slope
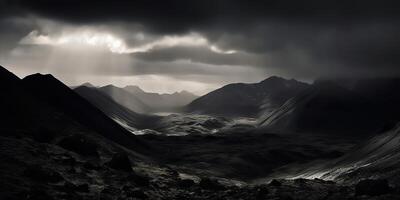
x=162, y=102
x=87, y=84
x=133, y=89
x=11, y=98
x=247, y=100
x=48, y=89
x=125, y=99
x=377, y=157
x=325, y=108
x=129, y=119
x=20, y=110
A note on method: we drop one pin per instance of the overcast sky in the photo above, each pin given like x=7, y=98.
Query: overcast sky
x=167, y=46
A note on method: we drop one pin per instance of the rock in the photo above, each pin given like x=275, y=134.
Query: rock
x=43, y=135
x=38, y=194
x=37, y=173
x=213, y=123
x=185, y=183
x=210, y=184
x=110, y=192
x=275, y=183
x=137, y=193
x=300, y=181
x=120, y=161
x=261, y=192
x=285, y=197
x=372, y=187
x=91, y=166
x=66, y=160
x=138, y=180
x=68, y=186
x=79, y=144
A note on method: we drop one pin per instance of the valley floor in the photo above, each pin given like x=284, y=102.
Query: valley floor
x=36, y=168
x=39, y=170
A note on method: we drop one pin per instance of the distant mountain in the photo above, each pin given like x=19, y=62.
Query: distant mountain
x=325, y=107
x=162, y=102
x=133, y=89
x=87, y=84
x=47, y=89
x=125, y=99
x=124, y=116
x=247, y=100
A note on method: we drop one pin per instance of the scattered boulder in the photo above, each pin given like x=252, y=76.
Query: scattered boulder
x=261, y=192
x=43, y=135
x=275, y=183
x=213, y=123
x=37, y=194
x=372, y=187
x=210, y=184
x=40, y=174
x=79, y=144
x=185, y=183
x=68, y=186
x=66, y=160
x=91, y=166
x=138, y=180
x=109, y=192
x=137, y=193
x=120, y=161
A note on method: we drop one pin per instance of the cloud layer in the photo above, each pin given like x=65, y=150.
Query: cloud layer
x=207, y=42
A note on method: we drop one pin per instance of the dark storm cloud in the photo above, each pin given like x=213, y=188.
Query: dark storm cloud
x=11, y=32
x=300, y=38
x=176, y=15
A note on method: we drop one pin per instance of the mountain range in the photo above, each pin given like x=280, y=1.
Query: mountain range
x=162, y=102
x=58, y=143
x=40, y=102
x=247, y=100
x=139, y=101
x=327, y=107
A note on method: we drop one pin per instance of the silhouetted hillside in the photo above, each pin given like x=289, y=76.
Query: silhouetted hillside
x=115, y=110
x=48, y=89
x=325, y=108
x=125, y=98
x=247, y=100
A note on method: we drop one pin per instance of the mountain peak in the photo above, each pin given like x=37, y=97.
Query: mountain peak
x=109, y=86
x=133, y=89
x=273, y=78
x=87, y=84
x=42, y=78
x=7, y=76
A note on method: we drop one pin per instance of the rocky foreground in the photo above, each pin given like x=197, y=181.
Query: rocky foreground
x=36, y=166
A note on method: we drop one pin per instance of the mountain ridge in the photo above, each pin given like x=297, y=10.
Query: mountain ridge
x=247, y=99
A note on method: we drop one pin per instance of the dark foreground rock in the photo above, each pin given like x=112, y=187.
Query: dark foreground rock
x=275, y=183
x=35, y=170
x=120, y=161
x=79, y=144
x=372, y=187
x=40, y=174
x=210, y=184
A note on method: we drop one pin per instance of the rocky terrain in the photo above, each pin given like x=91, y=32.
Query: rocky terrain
x=56, y=143
x=36, y=168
